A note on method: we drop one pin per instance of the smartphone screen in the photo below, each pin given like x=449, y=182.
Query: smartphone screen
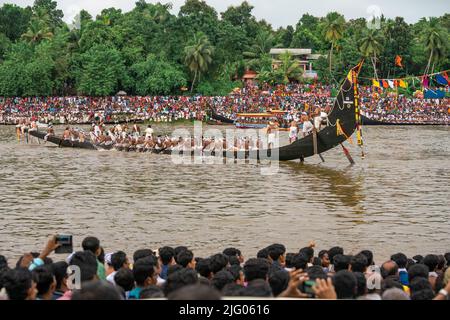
x=65, y=242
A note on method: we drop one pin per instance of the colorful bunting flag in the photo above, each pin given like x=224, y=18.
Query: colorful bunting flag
x=402, y=84
x=398, y=61
x=375, y=83
x=425, y=81
x=385, y=84
x=441, y=80
x=391, y=84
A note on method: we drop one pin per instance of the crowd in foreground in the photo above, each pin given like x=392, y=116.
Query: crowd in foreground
x=178, y=274
x=293, y=98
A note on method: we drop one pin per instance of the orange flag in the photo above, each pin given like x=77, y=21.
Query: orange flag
x=398, y=61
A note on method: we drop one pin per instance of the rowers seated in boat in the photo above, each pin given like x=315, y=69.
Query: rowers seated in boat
x=67, y=134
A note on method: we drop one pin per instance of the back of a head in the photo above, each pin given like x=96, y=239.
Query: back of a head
x=218, y=262
x=143, y=269
x=233, y=290
x=278, y=282
x=417, y=270
x=369, y=256
x=263, y=254
x=151, y=292
x=258, y=288
x=389, y=283
x=232, y=252
x=316, y=272
x=289, y=258
x=97, y=290
x=400, y=259
x=276, y=250
x=221, y=279
x=142, y=253
x=195, y=292
x=300, y=261
x=388, y=269
x=178, y=250
x=59, y=269
x=180, y=279
x=166, y=254
x=203, y=267
x=341, y=262
x=184, y=258
x=44, y=279
x=395, y=294
x=359, y=263
x=233, y=260
x=431, y=261
x=419, y=284
x=335, y=251
x=87, y=262
x=361, y=284
x=91, y=244
x=3, y=262
x=256, y=269
x=124, y=278
x=17, y=283
x=308, y=251
x=447, y=258
x=345, y=284
x=118, y=259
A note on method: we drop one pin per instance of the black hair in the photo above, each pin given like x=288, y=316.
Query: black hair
x=151, y=292
x=316, y=261
x=87, y=262
x=166, y=254
x=203, y=267
x=43, y=277
x=335, y=251
x=17, y=282
x=409, y=263
x=3, y=262
x=431, y=261
x=142, y=270
x=101, y=256
x=418, y=258
x=345, y=284
x=185, y=257
x=118, y=259
x=236, y=270
x=426, y=294
x=400, y=259
x=390, y=283
x=417, y=270
x=124, y=278
x=221, y=279
x=173, y=268
x=322, y=253
x=279, y=281
x=59, y=270
x=442, y=261
x=97, y=290
x=142, y=253
x=195, y=292
x=91, y=244
x=361, y=284
x=276, y=251
x=218, y=262
x=289, y=257
x=369, y=256
x=3, y=271
x=232, y=252
x=256, y=269
x=233, y=260
x=233, y=290
x=447, y=258
x=316, y=272
x=308, y=251
x=263, y=254
x=300, y=261
x=180, y=279
x=359, y=263
x=178, y=250
x=341, y=262
x=258, y=288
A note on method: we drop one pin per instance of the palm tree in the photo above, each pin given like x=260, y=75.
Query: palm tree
x=259, y=50
x=371, y=46
x=198, y=55
x=290, y=69
x=434, y=42
x=333, y=30
x=37, y=31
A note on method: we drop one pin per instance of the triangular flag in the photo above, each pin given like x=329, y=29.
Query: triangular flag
x=441, y=80
x=391, y=84
x=385, y=84
x=375, y=83
x=444, y=74
x=403, y=84
x=398, y=61
x=425, y=81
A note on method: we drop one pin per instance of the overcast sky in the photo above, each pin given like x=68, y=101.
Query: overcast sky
x=279, y=12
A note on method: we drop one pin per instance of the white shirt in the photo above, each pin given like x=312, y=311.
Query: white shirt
x=307, y=127
x=110, y=278
x=148, y=132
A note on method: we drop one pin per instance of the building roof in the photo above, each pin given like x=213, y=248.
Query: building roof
x=294, y=52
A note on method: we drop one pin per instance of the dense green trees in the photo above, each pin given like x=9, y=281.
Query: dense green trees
x=150, y=50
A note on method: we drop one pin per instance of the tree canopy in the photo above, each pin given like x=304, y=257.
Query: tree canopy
x=152, y=51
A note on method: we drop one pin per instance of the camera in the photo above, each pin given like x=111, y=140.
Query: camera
x=66, y=245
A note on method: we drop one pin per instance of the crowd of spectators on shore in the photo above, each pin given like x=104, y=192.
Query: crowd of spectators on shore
x=177, y=273
x=294, y=98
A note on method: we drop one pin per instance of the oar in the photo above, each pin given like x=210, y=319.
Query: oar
x=315, y=144
x=347, y=154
